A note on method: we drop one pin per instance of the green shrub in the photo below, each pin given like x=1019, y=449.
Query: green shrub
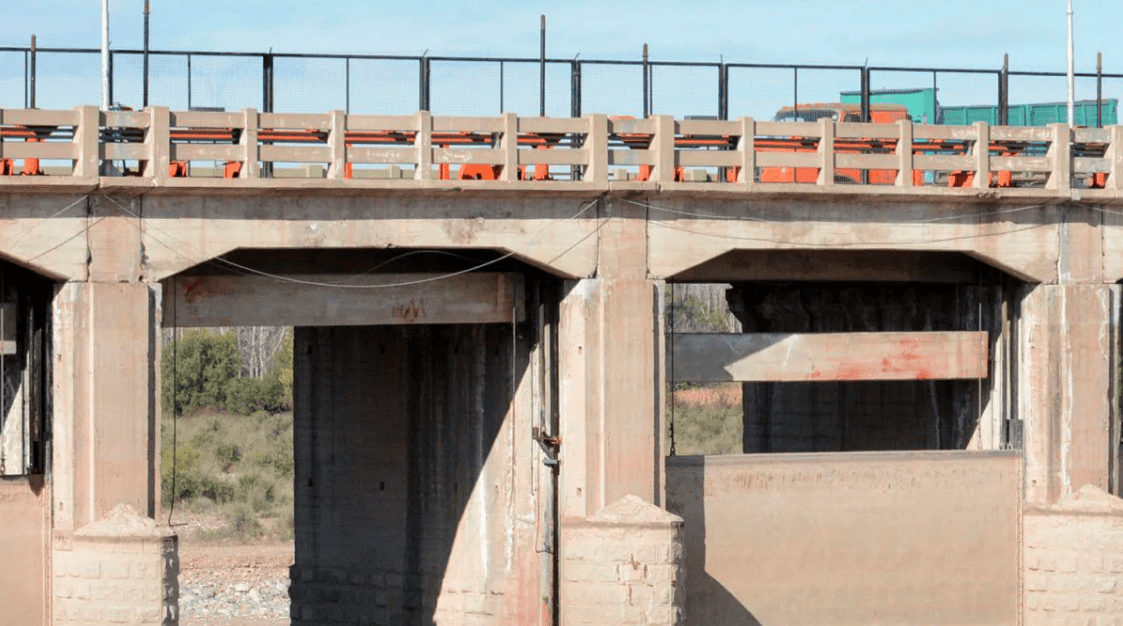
x=250, y=395
x=197, y=369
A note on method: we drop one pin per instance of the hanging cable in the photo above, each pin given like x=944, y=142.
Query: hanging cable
x=175, y=393
x=673, y=450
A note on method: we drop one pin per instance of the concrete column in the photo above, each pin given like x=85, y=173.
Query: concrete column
x=1065, y=388
x=106, y=401
x=611, y=372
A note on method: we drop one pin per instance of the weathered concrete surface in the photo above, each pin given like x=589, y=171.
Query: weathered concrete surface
x=105, y=384
x=344, y=300
x=417, y=479
x=1074, y=561
x=685, y=232
x=25, y=550
x=120, y=569
x=610, y=354
x=1065, y=388
x=887, y=538
x=779, y=357
x=624, y=565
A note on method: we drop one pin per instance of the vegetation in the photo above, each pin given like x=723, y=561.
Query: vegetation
x=233, y=452
x=707, y=420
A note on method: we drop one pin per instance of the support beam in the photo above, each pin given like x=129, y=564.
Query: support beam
x=7, y=328
x=344, y=300
x=792, y=357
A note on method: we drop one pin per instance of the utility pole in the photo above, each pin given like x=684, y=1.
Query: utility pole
x=1071, y=73
x=105, y=55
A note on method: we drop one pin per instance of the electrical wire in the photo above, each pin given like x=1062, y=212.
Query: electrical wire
x=311, y=283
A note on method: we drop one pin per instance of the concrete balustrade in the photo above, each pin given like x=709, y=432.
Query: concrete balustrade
x=582, y=151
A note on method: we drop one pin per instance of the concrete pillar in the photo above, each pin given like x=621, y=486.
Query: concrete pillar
x=105, y=428
x=611, y=371
x=106, y=401
x=1065, y=388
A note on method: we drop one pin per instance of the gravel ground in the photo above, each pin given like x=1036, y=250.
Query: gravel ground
x=234, y=585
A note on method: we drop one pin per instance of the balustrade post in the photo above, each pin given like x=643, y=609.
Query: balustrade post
x=826, y=151
x=337, y=143
x=423, y=142
x=87, y=142
x=663, y=146
x=509, y=145
x=1115, y=158
x=596, y=148
x=747, y=147
x=157, y=142
x=1060, y=154
x=904, y=153
x=250, y=146
x=982, y=156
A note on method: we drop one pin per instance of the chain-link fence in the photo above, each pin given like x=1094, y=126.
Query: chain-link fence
x=59, y=78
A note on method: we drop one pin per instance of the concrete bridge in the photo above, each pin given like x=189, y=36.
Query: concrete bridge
x=930, y=367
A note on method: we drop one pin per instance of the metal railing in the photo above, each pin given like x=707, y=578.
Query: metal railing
x=509, y=150
x=57, y=78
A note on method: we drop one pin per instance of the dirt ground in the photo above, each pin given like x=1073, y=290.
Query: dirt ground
x=232, y=564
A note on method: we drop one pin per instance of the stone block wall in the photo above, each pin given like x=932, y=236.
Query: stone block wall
x=1074, y=561
x=122, y=569
x=624, y=565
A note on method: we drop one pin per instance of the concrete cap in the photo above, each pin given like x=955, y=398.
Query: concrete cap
x=1090, y=499
x=634, y=510
x=123, y=521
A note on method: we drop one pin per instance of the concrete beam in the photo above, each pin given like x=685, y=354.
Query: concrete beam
x=793, y=357
x=344, y=300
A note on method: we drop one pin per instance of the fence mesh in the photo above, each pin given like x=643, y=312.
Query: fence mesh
x=309, y=85
x=385, y=86
x=615, y=89
x=487, y=87
x=67, y=79
x=759, y=92
x=13, y=79
x=521, y=85
x=685, y=90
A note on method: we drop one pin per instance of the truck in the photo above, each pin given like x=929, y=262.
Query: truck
x=880, y=113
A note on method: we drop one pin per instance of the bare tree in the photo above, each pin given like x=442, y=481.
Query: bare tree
x=257, y=346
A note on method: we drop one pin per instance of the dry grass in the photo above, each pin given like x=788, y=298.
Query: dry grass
x=724, y=395
x=708, y=420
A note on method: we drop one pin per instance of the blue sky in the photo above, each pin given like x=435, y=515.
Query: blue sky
x=947, y=33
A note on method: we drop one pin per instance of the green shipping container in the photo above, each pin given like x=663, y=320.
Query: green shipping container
x=924, y=108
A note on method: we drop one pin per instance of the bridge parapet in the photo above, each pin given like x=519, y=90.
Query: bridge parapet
x=554, y=153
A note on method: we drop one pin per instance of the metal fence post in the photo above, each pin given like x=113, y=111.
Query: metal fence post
x=1099, y=90
x=266, y=82
x=423, y=85
x=575, y=89
x=723, y=92
x=865, y=86
x=1004, y=92
x=144, y=96
x=646, y=100
x=32, y=72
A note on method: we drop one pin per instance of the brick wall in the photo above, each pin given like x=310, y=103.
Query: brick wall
x=122, y=569
x=1074, y=561
x=625, y=566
